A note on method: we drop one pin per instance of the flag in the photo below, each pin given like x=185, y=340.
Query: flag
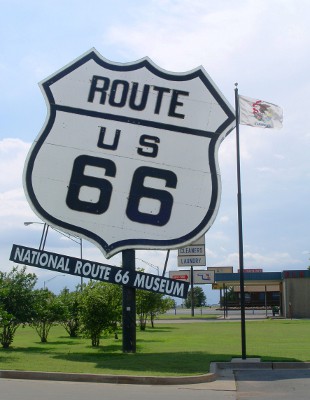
x=259, y=113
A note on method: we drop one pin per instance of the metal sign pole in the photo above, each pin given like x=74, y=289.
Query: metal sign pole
x=129, y=306
x=166, y=262
x=43, y=237
x=192, y=291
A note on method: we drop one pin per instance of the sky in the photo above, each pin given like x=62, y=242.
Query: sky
x=263, y=46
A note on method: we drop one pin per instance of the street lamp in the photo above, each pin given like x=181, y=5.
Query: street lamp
x=75, y=239
x=56, y=276
x=149, y=264
x=44, y=233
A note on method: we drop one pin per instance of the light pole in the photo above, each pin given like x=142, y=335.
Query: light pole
x=56, y=276
x=75, y=239
x=149, y=264
x=44, y=233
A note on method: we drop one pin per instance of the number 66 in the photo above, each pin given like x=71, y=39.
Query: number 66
x=105, y=187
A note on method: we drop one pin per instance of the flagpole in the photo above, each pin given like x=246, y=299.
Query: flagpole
x=241, y=266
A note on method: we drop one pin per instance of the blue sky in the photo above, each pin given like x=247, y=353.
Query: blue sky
x=261, y=45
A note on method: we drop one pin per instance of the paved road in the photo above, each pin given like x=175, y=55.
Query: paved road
x=232, y=385
x=273, y=384
x=35, y=390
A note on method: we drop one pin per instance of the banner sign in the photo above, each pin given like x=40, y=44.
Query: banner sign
x=126, y=152
x=98, y=271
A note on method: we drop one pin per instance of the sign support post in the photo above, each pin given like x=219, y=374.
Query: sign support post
x=129, y=306
x=192, y=291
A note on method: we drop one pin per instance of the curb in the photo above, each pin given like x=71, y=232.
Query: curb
x=97, y=378
x=215, y=372
x=248, y=364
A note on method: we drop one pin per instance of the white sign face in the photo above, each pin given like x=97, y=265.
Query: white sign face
x=192, y=250
x=202, y=277
x=200, y=241
x=191, y=260
x=195, y=248
x=127, y=150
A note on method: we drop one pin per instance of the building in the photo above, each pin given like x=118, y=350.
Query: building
x=288, y=290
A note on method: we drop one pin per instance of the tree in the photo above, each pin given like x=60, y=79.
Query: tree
x=231, y=295
x=71, y=317
x=48, y=311
x=16, y=302
x=142, y=307
x=199, y=298
x=150, y=304
x=100, y=310
x=161, y=304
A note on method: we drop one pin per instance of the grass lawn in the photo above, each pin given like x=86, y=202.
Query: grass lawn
x=168, y=349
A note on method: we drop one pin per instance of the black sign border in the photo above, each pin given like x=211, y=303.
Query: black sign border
x=115, y=247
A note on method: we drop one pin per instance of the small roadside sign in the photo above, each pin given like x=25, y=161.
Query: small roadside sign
x=217, y=286
x=180, y=275
x=221, y=270
x=203, y=277
x=186, y=255
x=192, y=250
x=199, y=241
x=190, y=261
x=200, y=277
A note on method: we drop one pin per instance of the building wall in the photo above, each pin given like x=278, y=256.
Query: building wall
x=296, y=298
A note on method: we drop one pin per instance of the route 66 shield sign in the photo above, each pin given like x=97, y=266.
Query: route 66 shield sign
x=127, y=157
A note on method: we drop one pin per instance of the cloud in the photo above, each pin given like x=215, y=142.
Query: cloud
x=14, y=208
x=13, y=204
x=183, y=34
x=261, y=45
x=224, y=218
x=186, y=28
x=12, y=158
x=268, y=261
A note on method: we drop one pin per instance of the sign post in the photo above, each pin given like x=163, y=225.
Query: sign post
x=192, y=291
x=129, y=306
